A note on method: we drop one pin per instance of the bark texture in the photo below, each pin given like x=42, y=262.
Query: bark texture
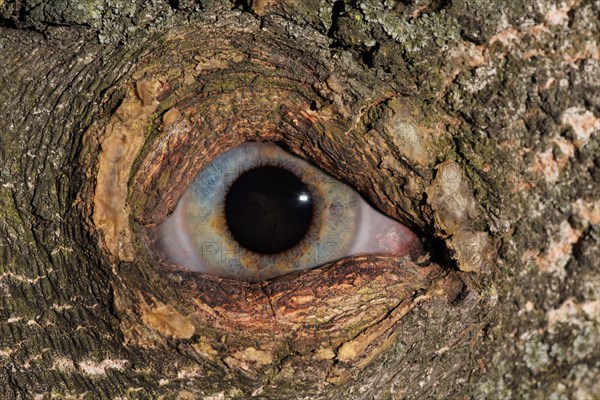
x=476, y=123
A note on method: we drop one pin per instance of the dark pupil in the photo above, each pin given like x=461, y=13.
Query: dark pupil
x=268, y=210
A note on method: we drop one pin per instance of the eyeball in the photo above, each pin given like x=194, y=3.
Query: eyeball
x=257, y=212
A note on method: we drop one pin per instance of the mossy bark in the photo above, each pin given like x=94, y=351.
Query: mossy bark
x=476, y=123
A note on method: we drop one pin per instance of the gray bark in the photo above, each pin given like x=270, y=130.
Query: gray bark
x=476, y=123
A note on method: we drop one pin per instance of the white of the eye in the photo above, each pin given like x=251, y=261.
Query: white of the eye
x=380, y=234
x=175, y=242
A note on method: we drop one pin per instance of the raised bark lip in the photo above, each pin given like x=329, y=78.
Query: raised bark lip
x=341, y=315
x=351, y=273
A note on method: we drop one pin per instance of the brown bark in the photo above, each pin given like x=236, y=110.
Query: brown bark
x=476, y=124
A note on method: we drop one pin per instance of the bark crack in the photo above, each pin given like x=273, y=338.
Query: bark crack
x=264, y=288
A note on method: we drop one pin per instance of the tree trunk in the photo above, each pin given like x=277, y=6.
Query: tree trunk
x=476, y=123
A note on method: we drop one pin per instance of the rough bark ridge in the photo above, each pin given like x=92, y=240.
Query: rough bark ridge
x=474, y=122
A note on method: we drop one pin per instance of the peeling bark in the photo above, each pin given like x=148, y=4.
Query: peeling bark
x=475, y=123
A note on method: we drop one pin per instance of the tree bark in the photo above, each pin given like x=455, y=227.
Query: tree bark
x=476, y=123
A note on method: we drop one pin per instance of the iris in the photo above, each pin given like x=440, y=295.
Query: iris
x=257, y=212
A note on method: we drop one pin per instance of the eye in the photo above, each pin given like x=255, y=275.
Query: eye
x=257, y=212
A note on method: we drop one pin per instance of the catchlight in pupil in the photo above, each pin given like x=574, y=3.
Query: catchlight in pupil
x=268, y=210
x=256, y=212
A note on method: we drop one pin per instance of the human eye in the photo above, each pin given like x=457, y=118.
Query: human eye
x=256, y=212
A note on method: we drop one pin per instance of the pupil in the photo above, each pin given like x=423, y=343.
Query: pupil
x=268, y=210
